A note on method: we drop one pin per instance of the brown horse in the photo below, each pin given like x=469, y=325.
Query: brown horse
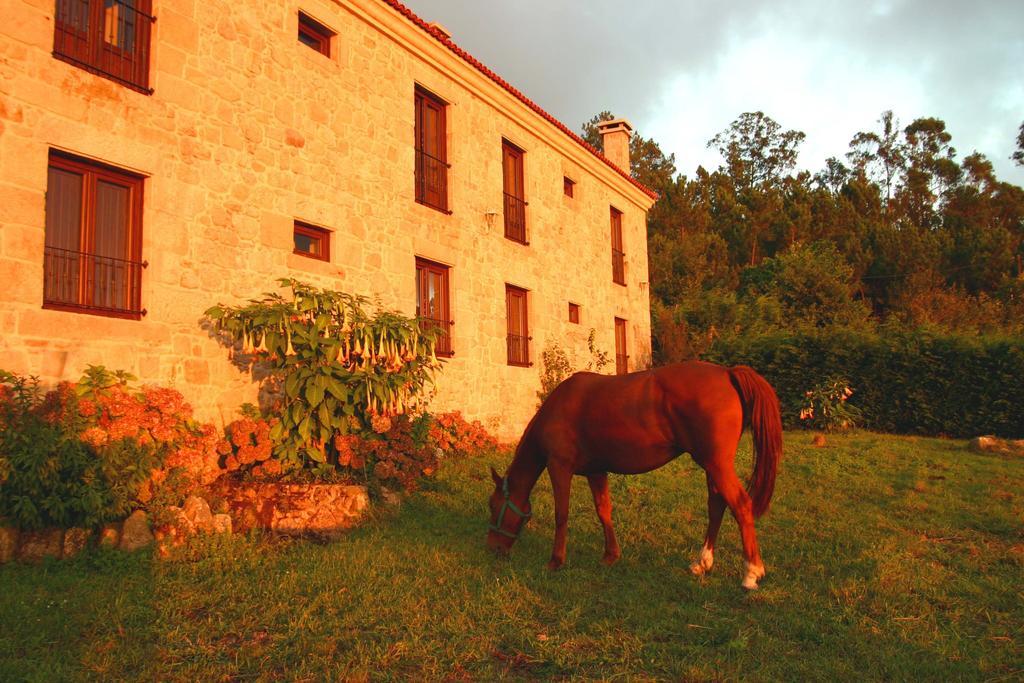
x=627, y=424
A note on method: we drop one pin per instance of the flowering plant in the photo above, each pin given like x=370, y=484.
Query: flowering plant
x=827, y=406
x=86, y=453
x=329, y=361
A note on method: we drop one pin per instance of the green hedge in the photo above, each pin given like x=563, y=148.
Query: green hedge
x=905, y=383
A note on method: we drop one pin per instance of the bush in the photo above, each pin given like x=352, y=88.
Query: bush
x=333, y=366
x=907, y=382
x=827, y=407
x=453, y=434
x=557, y=365
x=88, y=453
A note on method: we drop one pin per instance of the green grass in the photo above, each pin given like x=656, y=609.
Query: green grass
x=888, y=559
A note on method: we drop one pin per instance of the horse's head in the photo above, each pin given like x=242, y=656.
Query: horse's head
x=507, y=518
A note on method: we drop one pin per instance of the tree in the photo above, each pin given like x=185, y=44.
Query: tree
x=834, y=176
x=814, y=285
x=879, y=156
x=931, y=171
x=756, y=150
x=1018, y=156
x=648, y=164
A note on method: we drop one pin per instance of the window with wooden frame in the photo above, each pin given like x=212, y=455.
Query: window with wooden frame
x=618, y=255
x=92, y=255
x=518, y=326
x=574, y=313
x=431, y=153
x=568, y=186
x=433, y=304
x=315, y=35
x=109, y=38
x=514, y=190
x=312, y=241
x=621, y=358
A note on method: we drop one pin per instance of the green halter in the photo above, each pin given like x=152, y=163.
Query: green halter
x=508, y=505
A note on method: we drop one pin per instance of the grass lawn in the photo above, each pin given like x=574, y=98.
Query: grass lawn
x=888, y=558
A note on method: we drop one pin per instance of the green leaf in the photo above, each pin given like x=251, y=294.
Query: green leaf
x=337, y=389
x=314, y=395
x=291, y=386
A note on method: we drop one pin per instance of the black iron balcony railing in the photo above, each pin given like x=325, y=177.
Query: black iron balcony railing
x=101, y=284
x=515, y=218
x=519, y=350
x=443, y=342
x=106, y=37
x=618, y=266
x=621, y=364
x=431, y=181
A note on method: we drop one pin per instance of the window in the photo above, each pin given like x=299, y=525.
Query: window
x=315, y=35
x=312, y=241
x=621, y=359
x=618, y=256
x=568, y=186
x=93, y=243
x=518, y=326
x=574, y=313
x=433, y=306
x=107, y=37
x=431, y=167
x=515, y=206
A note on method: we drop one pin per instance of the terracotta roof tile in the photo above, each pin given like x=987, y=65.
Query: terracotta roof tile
x=440, y=36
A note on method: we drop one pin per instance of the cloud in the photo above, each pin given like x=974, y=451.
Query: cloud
x=682, y=71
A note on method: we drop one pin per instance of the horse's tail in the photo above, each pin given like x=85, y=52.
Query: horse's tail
x=761, y=410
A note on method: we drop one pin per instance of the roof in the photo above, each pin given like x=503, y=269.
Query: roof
x=439, y=34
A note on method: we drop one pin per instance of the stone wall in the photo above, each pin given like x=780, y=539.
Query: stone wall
x=248, y=130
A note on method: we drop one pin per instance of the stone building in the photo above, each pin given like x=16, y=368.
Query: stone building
x=158, y=157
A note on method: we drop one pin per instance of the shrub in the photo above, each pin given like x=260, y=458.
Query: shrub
x=332, y=362
x=907, y=382
x=85, y=454
x=827, y=408
x=453, y=434
x=557, y=366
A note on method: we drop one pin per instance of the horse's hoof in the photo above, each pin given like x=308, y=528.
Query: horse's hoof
x=555, y=565
x=609, y=560
x=754, y=574
x=703, y=565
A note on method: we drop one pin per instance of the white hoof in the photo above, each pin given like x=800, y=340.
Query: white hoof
x=704, y=564
x=754, y=574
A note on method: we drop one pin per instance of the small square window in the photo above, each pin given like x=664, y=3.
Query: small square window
x=574, y=313
x=315, y=35
x=312, y=241
x=568, y=186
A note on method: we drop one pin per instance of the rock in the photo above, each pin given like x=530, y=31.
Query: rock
x=110, y=535
x=35, y=545
x=991, y=444
x=323, y=510
x=222, y=524
x=818, y=441
x=178, y=525
x=391, y=498
x=135, y=533
x=75, y=541
x=8, y=543
x=197, y=512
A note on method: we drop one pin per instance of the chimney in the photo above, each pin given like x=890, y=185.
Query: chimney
x=615, y=138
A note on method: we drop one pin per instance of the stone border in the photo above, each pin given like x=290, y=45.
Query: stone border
x=319, y=510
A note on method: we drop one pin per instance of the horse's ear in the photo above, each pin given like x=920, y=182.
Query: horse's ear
x=495, y=477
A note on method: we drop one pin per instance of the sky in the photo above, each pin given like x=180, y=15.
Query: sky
x=682, y=70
